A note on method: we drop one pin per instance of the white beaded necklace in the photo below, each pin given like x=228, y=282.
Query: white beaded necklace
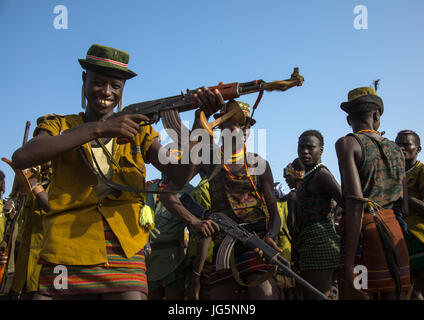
x=313, y=169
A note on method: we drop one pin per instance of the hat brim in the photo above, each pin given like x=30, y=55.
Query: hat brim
x=363, y=104
x=109, y=71
x=218, y=115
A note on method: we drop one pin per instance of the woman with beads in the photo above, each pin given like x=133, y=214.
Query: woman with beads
x=317, y=242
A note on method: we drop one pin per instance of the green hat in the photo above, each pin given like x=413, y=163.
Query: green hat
x=362, y=100
x=245, y=107
x=110, y=61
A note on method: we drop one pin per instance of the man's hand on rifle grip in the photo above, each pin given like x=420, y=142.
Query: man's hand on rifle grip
x=209, y=101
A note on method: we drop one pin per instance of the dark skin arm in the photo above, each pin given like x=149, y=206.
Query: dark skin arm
x=42, y=197
x=271, y=203
x=417, y=205
x=326, y=182
x=198, y=263
x=349, y=154
x=291, y=215
x=45, y=147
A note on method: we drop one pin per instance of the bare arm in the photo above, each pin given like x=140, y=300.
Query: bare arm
x=348, y=150
x=330, y=186
x=291, y=215
x=271, y=203
x=45, y=147
x=417, y=204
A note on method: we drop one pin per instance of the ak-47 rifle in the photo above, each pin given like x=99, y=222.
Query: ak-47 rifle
x=249, y=239
x=21, y=184
x=168, y=108
x=9, y=211
x=12, y=209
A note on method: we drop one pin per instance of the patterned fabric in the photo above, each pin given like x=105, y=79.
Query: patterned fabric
x=415, y=181
x=118, y=275
x=236, y=197
x=318, y=247
x=371, y=255
x=311, y=207
x=416, y=252
x=167, y=245
x=245, y=263
x=381, y=171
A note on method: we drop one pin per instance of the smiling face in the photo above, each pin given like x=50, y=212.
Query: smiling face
x=309, y=150
x=409, y=146
x=103, y=92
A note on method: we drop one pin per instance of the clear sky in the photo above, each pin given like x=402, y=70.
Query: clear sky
x=175, y=45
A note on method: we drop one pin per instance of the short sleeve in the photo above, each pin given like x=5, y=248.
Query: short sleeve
x=147, y=137
x=51, y=124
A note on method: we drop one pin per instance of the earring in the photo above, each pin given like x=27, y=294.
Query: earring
x=120, y=104
x=83, y=101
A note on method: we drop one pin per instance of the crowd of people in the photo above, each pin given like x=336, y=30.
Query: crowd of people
x=81, y=203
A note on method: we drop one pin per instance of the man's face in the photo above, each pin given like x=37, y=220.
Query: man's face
x=232, y=133
x=309, y=150
x=409, y=146
x=103, y=92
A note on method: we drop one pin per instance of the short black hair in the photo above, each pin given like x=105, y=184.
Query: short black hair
x=314, y=133
x=412, y=133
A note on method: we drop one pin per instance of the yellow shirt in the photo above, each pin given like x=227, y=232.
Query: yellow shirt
x=415, y=181
x=73, y=229
x=283, y=242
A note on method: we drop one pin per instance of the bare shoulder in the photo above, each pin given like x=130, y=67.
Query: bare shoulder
x=346, y=143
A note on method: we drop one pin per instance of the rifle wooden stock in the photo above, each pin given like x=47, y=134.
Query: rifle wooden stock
x=186, y=101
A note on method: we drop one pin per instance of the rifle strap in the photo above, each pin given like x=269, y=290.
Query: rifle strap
x=236, y=274
x=99, y=174
x=258, y=99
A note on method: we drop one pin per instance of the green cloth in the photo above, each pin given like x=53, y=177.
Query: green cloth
x=318, y=247
x=107, y=60
x=164, y=261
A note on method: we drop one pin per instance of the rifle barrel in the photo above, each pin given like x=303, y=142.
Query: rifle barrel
x=27, y=125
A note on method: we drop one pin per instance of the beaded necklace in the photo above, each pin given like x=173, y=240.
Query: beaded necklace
x=313, y=169
x=372, y=131
x=229, y=173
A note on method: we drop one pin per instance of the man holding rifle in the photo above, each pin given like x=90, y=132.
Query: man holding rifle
x=95, y=231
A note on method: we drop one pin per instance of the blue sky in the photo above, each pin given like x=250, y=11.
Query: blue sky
x=175, y=45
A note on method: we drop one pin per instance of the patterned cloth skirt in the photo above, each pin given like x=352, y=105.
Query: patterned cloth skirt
x=120, y=274
x=318, y=247
x=246, y=263
x=416, y=252
x=371, y=255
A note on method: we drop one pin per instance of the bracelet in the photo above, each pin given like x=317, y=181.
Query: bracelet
x=196, y=273
x=37, y=189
